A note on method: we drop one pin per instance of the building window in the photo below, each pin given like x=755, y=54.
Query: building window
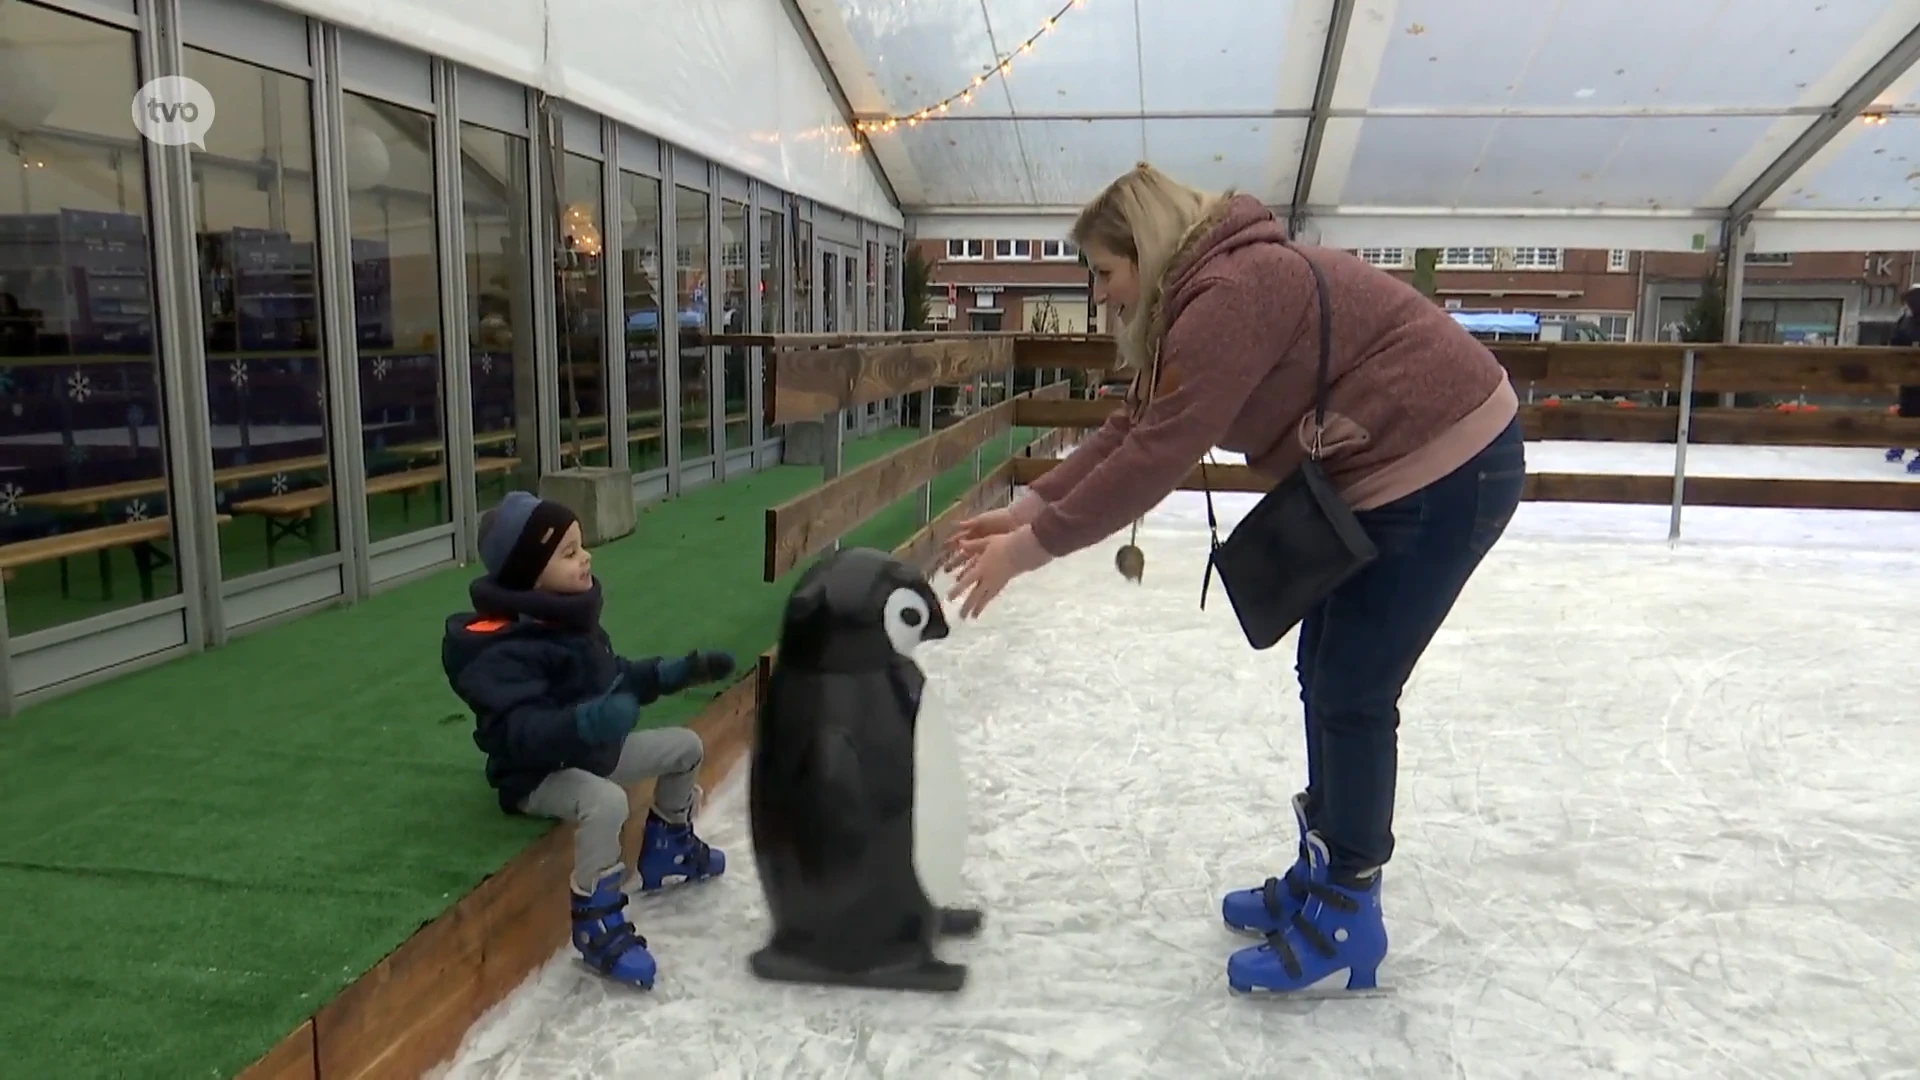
x=1465, y=258
x=1613, y=325
x=1013, y=249
x=958, y=250
x=1387, y=258
x=986, y=298
x=1536, y=258
x=1059, y=250
x=1769, y=258
x=1617, y=261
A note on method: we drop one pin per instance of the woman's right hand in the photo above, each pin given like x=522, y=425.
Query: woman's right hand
x=977, y=527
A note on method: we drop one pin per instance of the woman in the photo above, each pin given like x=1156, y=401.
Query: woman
x=1219, y=321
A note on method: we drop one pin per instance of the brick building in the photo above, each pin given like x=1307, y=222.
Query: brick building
x=1815, y=297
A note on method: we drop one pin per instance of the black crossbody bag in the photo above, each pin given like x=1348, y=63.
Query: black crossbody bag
x=1301, y=541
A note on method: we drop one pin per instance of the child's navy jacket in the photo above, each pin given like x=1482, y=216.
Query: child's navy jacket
x=524, y=677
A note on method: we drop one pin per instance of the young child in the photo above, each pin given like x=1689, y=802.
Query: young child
x=555, y=709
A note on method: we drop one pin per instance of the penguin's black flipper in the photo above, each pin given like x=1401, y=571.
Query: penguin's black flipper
x=927, y=976
x=960, y=921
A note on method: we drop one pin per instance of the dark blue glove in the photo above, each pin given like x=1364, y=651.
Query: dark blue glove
x=607, y=718
x=708, y=666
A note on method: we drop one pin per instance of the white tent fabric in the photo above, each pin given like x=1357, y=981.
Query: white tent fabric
x=731, y=80
x=1642, y=124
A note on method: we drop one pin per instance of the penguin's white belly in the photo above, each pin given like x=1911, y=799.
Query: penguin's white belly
x=939, y=806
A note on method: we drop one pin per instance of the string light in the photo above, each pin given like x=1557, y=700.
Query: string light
x=1873, y=119
x=1003, y=66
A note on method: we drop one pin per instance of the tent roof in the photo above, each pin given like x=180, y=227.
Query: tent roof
x=1629, y=123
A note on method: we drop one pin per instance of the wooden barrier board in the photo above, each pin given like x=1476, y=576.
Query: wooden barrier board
x=809, y=383
x=1585, y=422
x=801, y=527
x=1583, y=365
x=1784, y=494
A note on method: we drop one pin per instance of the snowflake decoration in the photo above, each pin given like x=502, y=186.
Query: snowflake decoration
x=381, y=365
x=77, y=453
x=79, y=387
x=279, y=483
x=509, y=447
x=10, y=496
x=137, y=510
x=237, y=374
x=320, y=398
x=486, y=365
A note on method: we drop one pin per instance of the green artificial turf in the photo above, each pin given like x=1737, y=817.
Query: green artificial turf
x=195, y=858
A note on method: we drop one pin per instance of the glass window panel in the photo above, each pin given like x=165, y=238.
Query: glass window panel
x=580, y=312
x=734, y=272
x=691, y=269
x=830, y=291
x=773, y=318
x=890, y=281
x=80, y=444
x=641, y=289
x=396, y=314
x=495, y=219
x=256, y=229
x=873, y=285
x=803, y=278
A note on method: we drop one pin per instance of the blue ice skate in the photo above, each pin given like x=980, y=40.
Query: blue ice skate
x=674, y=851
x=1896, y=454
x=607, y=941
x=1337, y=927
x=1269, y=906
x=1914, y=465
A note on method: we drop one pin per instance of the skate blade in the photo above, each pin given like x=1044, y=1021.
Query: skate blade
x=1312, y=993
x=611, y=980
x=930, y=976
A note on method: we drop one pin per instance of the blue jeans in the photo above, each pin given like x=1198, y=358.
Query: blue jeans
x=1360, y=645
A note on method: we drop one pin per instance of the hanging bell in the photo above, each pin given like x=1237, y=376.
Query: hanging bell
x=1131, y=562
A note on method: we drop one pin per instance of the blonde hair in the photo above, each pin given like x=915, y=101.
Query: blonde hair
x=1150, y=218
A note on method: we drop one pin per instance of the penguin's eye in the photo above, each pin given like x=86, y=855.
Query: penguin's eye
x=910, y=616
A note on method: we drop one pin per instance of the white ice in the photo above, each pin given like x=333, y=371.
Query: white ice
x=1657, y=818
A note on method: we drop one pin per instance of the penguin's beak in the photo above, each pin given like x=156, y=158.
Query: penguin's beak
x=936, y=625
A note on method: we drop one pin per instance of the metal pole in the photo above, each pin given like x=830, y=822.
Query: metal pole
x=926, y=429
x=1680, y=446
x=831, y=456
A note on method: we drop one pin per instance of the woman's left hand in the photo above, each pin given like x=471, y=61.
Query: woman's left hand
x=988, y=563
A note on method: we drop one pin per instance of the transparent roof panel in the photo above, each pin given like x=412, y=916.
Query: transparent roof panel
x=1063, y=163
x=1618, y=54
x=1663, y=163
x=1871, y=167
x=1439, y=106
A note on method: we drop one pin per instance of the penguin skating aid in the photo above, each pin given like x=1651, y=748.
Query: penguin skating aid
x=834, y=783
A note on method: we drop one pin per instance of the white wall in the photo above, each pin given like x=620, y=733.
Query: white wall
x=730, y=80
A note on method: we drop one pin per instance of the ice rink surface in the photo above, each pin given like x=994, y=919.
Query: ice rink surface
x=1658, y=817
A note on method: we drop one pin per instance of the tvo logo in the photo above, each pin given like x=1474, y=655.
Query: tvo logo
x=174, y=111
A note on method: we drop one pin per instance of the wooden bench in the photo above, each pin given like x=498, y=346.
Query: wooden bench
x=90, y=499
x=142, y=537
x=291, y=514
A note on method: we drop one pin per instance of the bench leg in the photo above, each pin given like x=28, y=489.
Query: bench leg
x=267, y=519
x=106, y=575
x=143, y=563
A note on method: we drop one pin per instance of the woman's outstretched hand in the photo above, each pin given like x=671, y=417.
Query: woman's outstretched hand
x=978, y=527
x=987, y=563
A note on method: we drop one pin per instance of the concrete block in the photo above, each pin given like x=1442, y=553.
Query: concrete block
x=601, y=498
x=805, y=443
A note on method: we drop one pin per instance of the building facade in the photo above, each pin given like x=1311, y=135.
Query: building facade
x=1812, y=298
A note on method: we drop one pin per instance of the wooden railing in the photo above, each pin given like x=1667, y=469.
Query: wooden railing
x=820, y=376
x=1675, y=371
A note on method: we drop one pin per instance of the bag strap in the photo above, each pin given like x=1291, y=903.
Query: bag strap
x=1326, y=355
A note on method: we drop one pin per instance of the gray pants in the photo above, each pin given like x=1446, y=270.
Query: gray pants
x=598, y=805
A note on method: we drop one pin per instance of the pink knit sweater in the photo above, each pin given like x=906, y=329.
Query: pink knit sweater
x=1412, y=395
